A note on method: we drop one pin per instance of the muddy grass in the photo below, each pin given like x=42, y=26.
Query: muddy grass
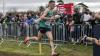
x=12, y=49
x=2, y=53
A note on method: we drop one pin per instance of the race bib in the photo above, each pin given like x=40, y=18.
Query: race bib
x=47, y=23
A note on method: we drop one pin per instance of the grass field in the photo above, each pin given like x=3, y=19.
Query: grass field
x=12, y=49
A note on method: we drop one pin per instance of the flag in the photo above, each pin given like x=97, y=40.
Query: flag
x=66, y=8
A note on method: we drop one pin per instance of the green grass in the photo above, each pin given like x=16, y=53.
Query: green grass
x=64, y=49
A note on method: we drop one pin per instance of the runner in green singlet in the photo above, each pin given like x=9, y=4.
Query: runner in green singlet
x=45, y=26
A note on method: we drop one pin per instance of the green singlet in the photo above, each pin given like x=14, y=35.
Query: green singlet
x=46, y=23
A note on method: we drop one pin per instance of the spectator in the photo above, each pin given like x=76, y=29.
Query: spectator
x=86, y=17
x=30, y=18
x=96, y=36
x=77, y=17
x=70, y=25
x=1, y=21
x=1, y=18
x=8, y=18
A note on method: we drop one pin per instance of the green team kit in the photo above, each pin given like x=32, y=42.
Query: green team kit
x=45, y=24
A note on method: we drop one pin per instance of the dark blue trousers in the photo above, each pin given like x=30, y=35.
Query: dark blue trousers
x=96, y=33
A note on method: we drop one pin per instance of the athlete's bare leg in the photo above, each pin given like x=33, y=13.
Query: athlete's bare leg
x=50, y=37
x=37, y=38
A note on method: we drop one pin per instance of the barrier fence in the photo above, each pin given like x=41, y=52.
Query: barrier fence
x=61, y=32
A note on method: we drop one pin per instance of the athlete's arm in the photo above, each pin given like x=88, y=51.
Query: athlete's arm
x=48, y=18
x=44, y=14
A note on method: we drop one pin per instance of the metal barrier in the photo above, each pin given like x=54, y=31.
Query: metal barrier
x=11, y=31
x=61, y=33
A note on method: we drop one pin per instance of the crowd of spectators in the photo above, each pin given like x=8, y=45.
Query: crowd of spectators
x=28, y=18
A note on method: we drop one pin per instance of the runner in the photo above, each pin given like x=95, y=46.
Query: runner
x=45, y=26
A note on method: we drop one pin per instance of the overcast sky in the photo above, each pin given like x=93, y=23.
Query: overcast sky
x=33, y=4
x=28, y=1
